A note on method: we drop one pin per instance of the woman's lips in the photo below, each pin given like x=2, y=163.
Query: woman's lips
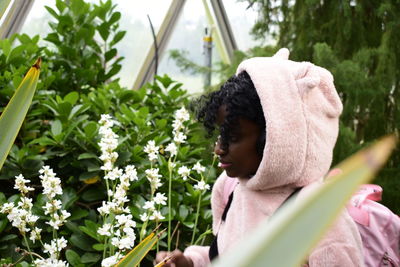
x=224, y=165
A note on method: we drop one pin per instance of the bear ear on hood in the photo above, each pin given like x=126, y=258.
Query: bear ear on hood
x=282, y=53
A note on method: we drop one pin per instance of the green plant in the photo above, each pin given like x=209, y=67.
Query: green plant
x=88, y=56
x=14, y=114
x=61, y=131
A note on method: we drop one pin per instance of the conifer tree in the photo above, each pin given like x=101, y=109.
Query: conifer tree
x=359, y=42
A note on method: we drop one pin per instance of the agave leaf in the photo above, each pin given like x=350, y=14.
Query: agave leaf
x=3, y=7
x=14, y=114
x=295, y=228
x=134, y=257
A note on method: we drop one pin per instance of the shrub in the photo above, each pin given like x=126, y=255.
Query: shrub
x=61, y=131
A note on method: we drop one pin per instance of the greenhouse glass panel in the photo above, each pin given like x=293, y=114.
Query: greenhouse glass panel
x=187, y=38
x=134, y=20
x=241, y=20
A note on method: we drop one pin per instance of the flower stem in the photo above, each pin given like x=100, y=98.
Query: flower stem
x=169, y=203
x=197, y=218
x=29, y=249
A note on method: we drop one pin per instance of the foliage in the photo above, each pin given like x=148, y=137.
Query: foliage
x=14, y=113
x=61, y=130
x=358, y=42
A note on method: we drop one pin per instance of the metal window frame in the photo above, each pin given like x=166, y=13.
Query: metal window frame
x=223, y=34
x=163, y=35
x=15, y=18
x=217, y=17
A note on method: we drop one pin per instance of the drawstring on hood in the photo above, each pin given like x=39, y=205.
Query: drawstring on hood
x=301, y=109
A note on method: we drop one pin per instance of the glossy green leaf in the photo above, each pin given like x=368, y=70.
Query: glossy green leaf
x=297, y=220
x=90, y=257
x=14, y=114
x=56, y=128
x=81, y=241
x=73, y=257
x=72, y=97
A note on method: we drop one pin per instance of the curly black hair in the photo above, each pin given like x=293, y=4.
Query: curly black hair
x=239, y=96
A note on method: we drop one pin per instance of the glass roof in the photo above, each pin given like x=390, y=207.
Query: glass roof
x=187, y=34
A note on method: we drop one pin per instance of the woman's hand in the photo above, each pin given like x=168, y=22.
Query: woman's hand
x=177, y=259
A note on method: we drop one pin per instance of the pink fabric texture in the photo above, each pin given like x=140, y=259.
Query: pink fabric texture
x=301, y=109
x=379, y=227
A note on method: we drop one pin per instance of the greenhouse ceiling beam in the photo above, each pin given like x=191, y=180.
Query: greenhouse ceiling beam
x=146, y=72
x=225, y=39
x=15, y=18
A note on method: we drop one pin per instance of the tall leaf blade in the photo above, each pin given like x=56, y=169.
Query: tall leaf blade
x=139, y=252
x=295, y=227
x=14, y=114
x=3, y=7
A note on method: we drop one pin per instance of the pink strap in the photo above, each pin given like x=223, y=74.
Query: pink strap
x=366, y=191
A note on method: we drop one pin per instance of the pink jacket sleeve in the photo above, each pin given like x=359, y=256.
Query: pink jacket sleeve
x=199, y=254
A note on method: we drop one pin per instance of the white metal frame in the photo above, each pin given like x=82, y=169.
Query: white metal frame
x=15, y=18
x=216, y=15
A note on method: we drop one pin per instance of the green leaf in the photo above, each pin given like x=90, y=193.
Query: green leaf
x=60, y=5
x=161, y=123
x=98, y=247
x=87, y=156
x=118, y=37
x=3, y=198
x=89, y=232
x=64, y=109
x=90, y=257
x=110, y=54
x=114, y=70
x=51, y=11
x=296, y=221
x=8, y=237
x=114, y=18
x=76, y=110
x=82, y=242
x=56, y=127
x=90, y=129
x=6, y=45
x=78, y=213
x=183, y=212
x=3, y=224
x=68, y=197
x=72, y=97
x=93, y=194
x=73, y=257
x=143, y=112
x=104, y=30
x=14, y=114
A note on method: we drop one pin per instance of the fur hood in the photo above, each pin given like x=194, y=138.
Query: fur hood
x=301, y=109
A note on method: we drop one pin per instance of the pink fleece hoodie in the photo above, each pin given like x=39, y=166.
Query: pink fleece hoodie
x=301, y=109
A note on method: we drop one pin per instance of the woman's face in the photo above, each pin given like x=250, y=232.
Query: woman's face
x=240, y=158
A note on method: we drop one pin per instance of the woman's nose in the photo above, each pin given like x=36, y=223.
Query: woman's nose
x=218, y=149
